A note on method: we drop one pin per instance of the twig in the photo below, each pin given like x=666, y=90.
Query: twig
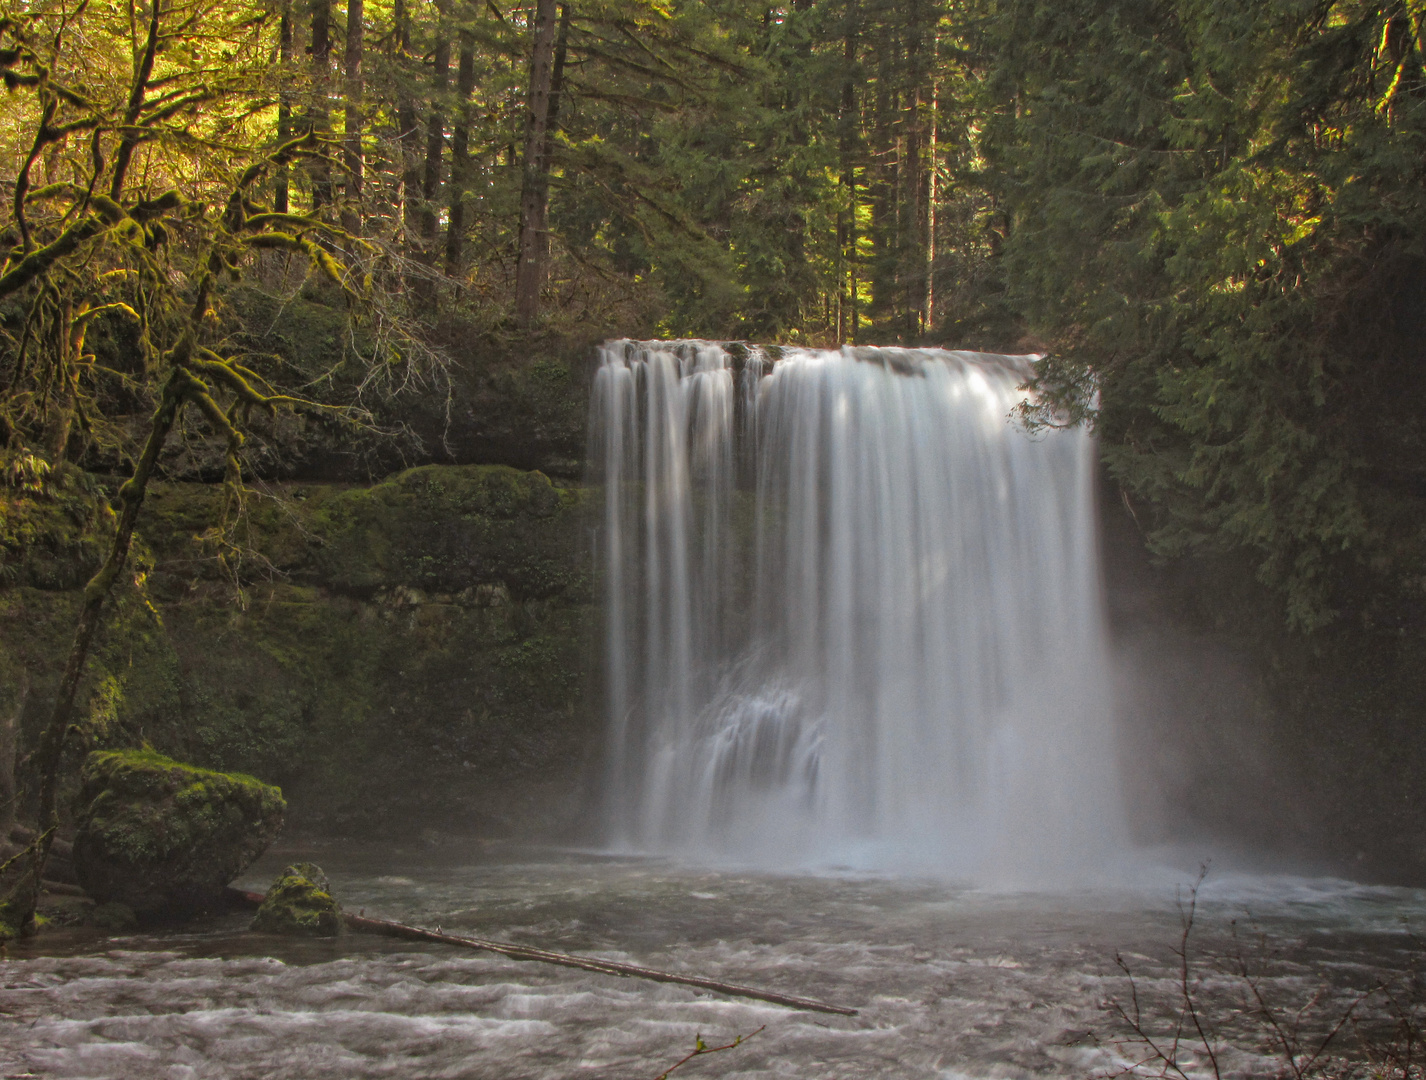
x=700, y=1048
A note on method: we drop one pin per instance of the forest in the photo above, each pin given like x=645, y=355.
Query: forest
x=233, y=229
x=507, y=449
x=1209, y=216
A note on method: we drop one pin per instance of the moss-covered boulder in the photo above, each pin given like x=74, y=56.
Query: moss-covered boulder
x=300, y=903
x=165, y=838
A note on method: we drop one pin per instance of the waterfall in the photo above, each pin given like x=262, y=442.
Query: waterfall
x=852, y=613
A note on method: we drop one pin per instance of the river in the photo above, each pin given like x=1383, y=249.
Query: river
x=950, y=981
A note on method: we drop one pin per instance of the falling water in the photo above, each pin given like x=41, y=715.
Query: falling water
x=853, y=613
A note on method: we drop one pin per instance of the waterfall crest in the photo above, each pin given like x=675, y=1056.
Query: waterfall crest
x=853, y=613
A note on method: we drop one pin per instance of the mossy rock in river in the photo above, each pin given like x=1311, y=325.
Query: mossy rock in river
x=300, y=903
x=166, y=838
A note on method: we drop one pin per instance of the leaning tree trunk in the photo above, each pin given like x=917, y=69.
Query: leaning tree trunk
x=534, y=187
x=19, y=905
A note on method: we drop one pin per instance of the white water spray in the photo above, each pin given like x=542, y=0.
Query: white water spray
x=853, y=613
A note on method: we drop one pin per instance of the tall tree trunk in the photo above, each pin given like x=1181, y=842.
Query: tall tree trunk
x=556, y=86
x=351, y=147
x=318, y=117
x=931, y=195
x=435, y=131
x=460, y=153
x=18, y=907
x=284, y=105
x=847, y=238
x=911, y=259
x=435, y=148
x=534, y=186
x=409, y=135
x=882, y=191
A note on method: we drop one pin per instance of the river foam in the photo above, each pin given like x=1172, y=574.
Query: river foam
x=950, y=982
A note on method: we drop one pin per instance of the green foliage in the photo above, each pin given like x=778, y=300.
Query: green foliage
x=27, y=474
x=1217, y=209
x=447, y=530
x=55, y=525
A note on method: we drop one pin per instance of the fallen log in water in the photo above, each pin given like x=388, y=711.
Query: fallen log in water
x=385, y=927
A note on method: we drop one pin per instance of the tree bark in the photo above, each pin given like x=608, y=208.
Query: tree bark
x=409, y=134
x=534, y=187
x=318, y=117
x=435, y=132
x=351, y=146
x=882, y=187
x=557, y=83
x=847, y=242
x=284, y=106
x=930, y=310
x=460, y=153
x=435, y=150
x=912, y=256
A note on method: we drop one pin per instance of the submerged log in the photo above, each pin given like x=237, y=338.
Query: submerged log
x=387, y=928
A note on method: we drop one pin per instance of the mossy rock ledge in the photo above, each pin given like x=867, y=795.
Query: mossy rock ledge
x=300, y=903
x=166, y=838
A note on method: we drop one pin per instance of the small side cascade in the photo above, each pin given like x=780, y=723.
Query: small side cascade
x=853, y=613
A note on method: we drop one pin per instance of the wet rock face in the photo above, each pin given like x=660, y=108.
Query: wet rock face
x=300, y=903
x=421, y=652
x=165, y=838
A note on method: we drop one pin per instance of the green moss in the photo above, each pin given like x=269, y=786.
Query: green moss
x=300, y=903
x=448, y=528
x=54, y=533
x=164, y=837
x=410, y=649
x=16, y=920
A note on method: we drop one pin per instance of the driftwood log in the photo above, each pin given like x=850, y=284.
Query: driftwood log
x=386, y=928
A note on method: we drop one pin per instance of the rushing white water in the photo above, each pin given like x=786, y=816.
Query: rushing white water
x=951, y=983
x=853, y=613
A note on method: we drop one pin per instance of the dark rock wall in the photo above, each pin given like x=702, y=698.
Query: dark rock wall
x=411, y=655
x=1309, y=750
